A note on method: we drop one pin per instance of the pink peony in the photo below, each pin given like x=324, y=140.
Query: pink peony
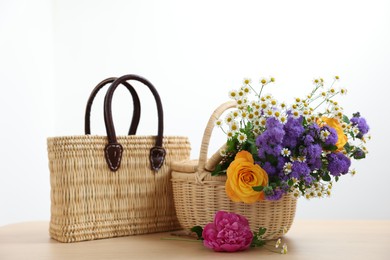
x=229, y=232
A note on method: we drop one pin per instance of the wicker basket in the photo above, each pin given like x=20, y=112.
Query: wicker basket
x=93, y=198
x=198, y=195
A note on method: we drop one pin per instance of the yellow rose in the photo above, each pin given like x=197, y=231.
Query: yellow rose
x=334, y=123
x=242, y=175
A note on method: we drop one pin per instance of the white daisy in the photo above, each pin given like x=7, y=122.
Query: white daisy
x=234, y=127
x=241, y=138
x=273, y=102
x=240, y=102
x=218, y=123
x=287, y=168
x=246, y=89
x=295, y=113
x=263, y=121
x=306, y=113
x=255, y=105
x=278, y=242
x=285, y=152
x=324, y=134
x=241, y=94
x=247, y=81
x=229, y=118
x=256, y=113
x=284, y=249
x=277, y=114
x=268, y=112
x=235, y=113
x=233, y=94
x=263, y=81
x=222, y=152
x=283, y=119
x=251, y=116
x=316, y=81
x=343, y=91
x=244, y=114
x=296, y=193
x=256, y=122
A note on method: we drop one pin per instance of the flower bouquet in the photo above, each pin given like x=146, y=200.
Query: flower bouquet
x=273, y=149
x=274, y=154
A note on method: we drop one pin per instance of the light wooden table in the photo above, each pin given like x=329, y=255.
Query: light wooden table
x=306, y=240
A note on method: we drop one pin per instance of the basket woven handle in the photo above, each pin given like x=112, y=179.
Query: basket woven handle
x=113, y=150
x=202, y=171
x=136, y=103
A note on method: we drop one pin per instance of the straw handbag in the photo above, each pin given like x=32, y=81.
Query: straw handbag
x=109, y=186
x=198, y=195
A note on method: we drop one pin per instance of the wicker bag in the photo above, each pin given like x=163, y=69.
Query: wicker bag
x=109, y=186
x=198, y=195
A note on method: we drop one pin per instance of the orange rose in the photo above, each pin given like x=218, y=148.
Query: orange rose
x=242, y=175
x=334, y=123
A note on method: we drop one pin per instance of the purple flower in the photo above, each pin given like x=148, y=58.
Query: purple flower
x=313, y=156
x=361, y=124
x=294, y=130
x=313, y=130
x=359, y=154
x=269, y=142
x=229, y=232
x=338, y=163
x=274, y=195
x=308, y=179
x=269, y=168
x=299, y=169
x=332, y=138
x=308, y=139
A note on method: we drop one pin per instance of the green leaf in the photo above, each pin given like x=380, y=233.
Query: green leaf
x=231, y=145
x=217, y=171
x=326, y=177
x=337, y=178
x=258, y=188
x=198, y=230
x=262, y=231
x=346, y=119
x=290, y=182
x=253, y=149
x=257, y=240
x=330, y=147
x=347, y=147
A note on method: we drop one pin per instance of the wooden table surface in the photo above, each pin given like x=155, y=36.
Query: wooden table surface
x=349, y=240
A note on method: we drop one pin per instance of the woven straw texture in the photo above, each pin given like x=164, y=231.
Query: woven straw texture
x=198, y=195
x=88, y=201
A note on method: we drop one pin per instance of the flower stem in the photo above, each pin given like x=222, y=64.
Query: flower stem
x=254, y=90
x=181, y=239
x=326, y=99
x=261, y=90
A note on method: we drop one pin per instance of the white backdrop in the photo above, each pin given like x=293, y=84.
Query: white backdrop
x=52, y=53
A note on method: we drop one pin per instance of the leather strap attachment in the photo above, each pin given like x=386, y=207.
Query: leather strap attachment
x=157, y=153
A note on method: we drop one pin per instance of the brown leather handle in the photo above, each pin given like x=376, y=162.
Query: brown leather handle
x=136, y=103
x=113, y=150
